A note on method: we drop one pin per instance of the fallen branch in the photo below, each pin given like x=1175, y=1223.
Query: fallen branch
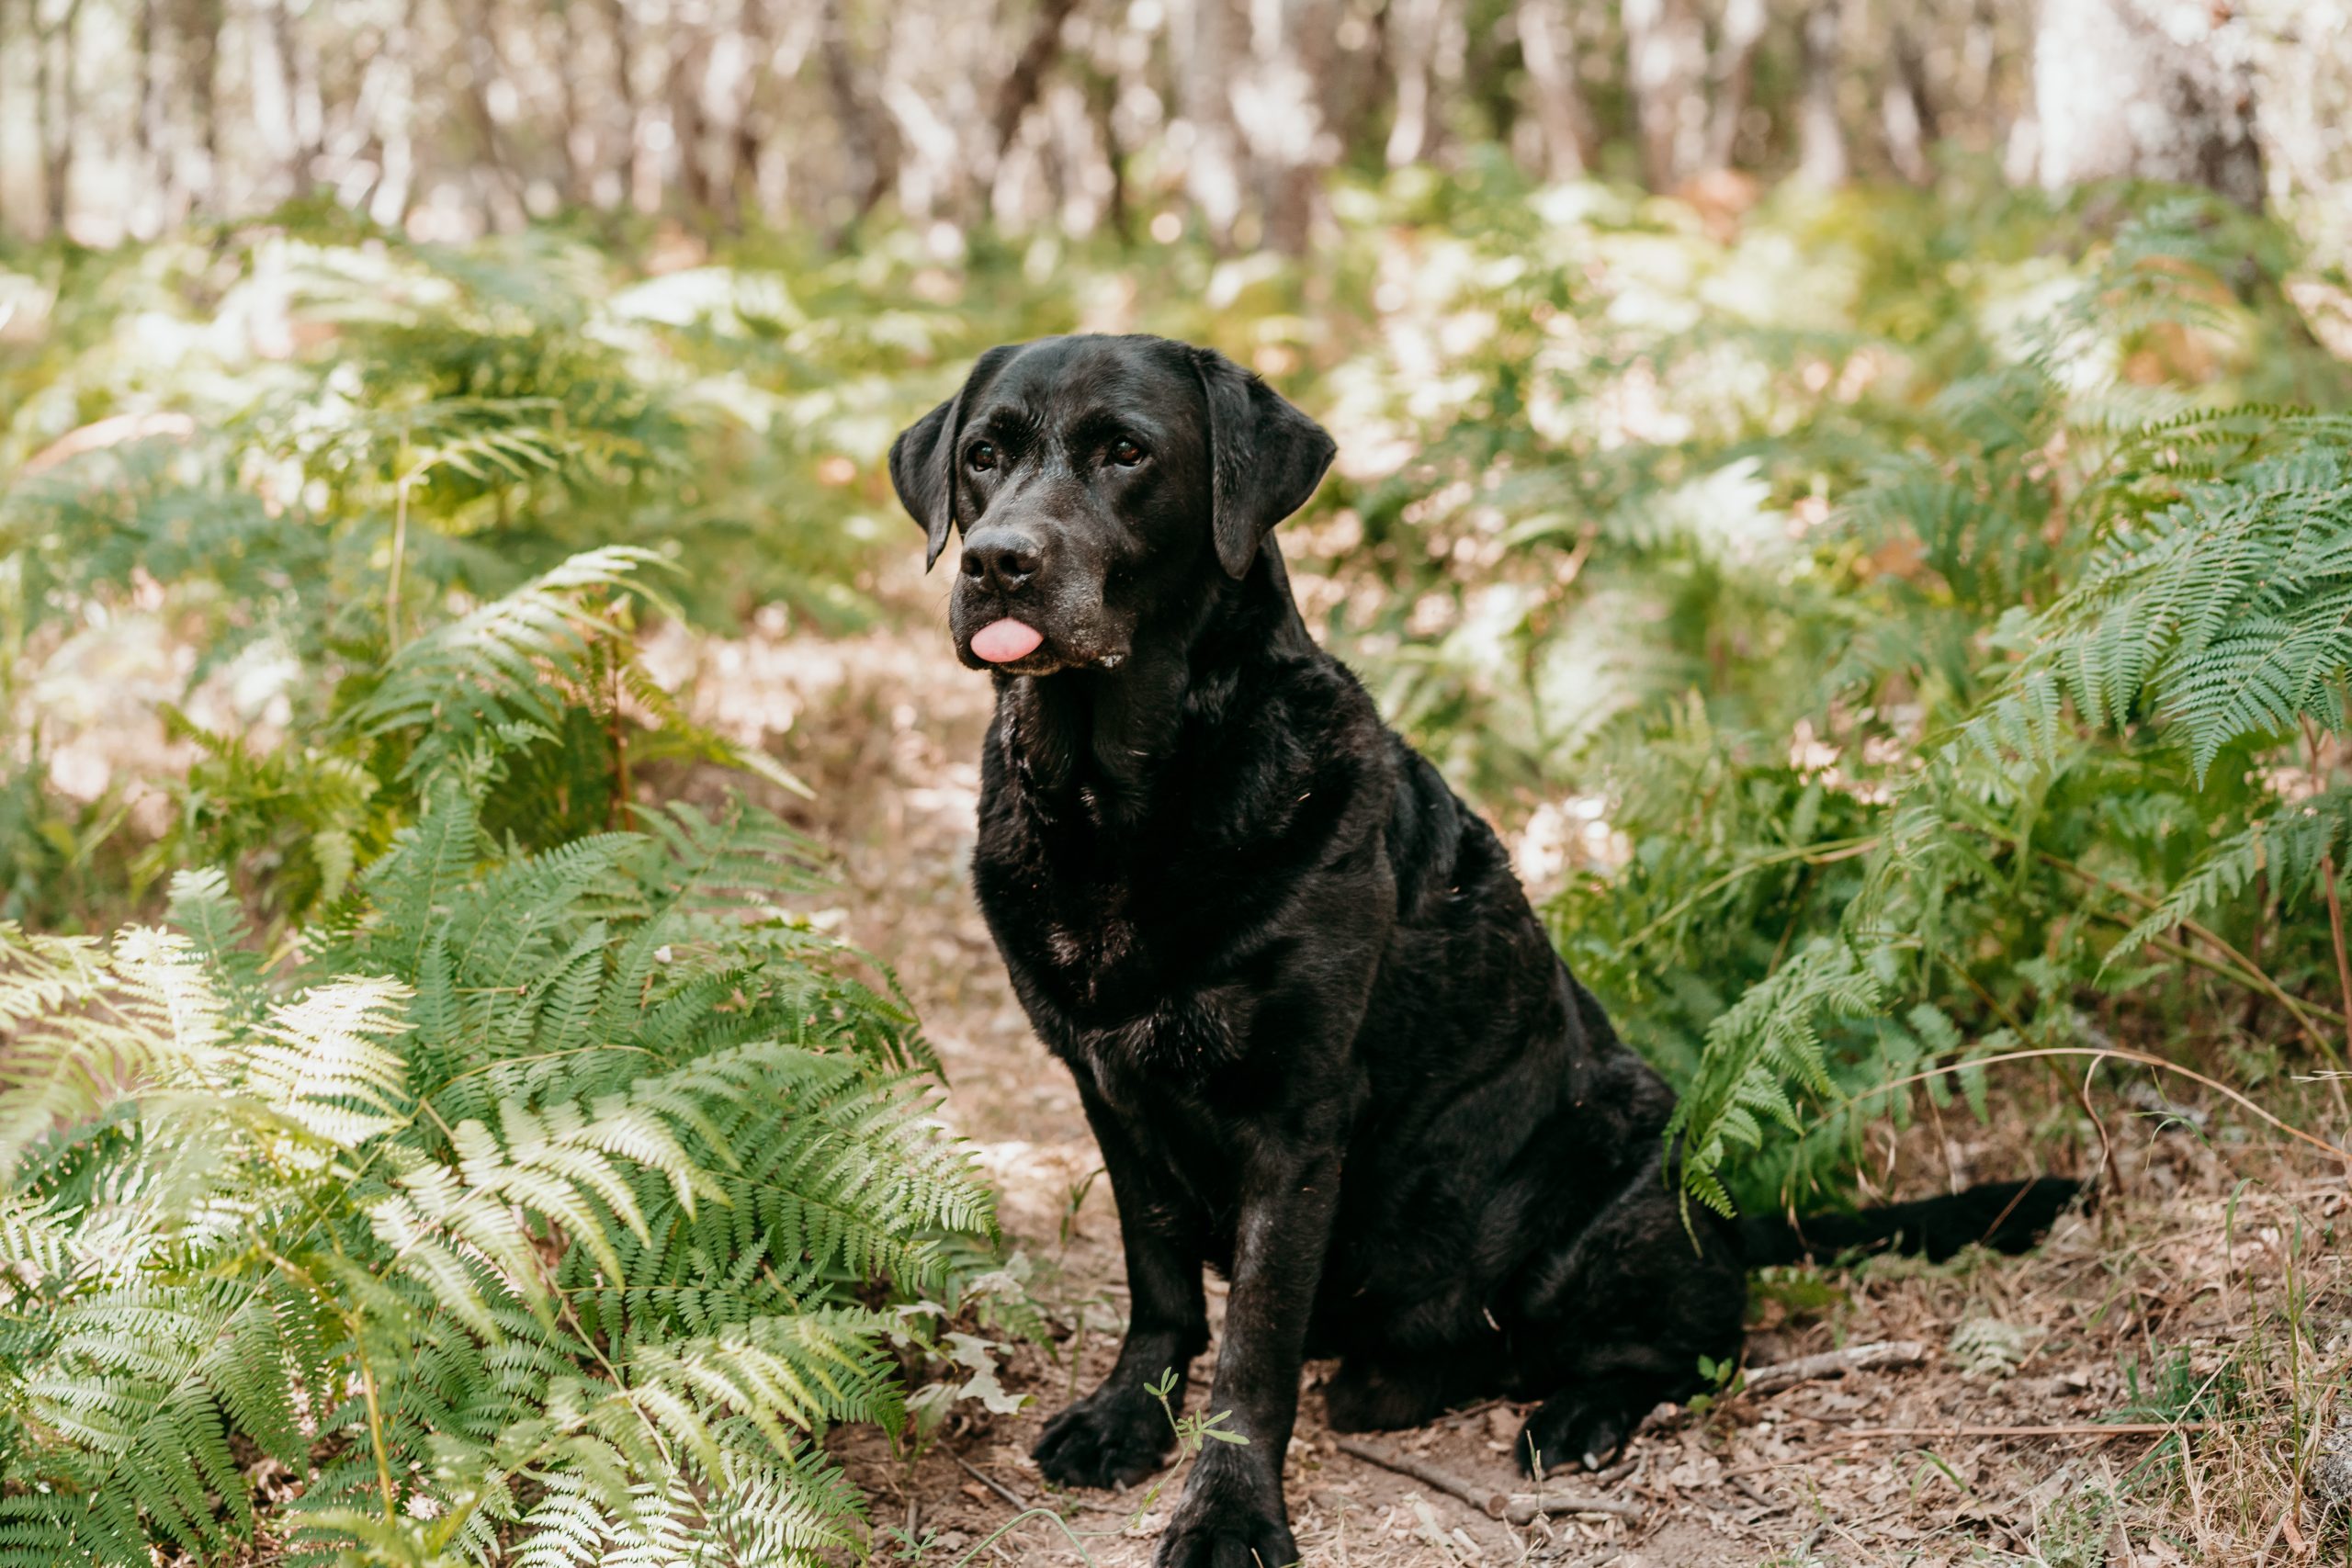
x=990, y=1482
x=2065, y=1429
x=1835, y=1364
x=1512, y=1508
x=1862, y=1435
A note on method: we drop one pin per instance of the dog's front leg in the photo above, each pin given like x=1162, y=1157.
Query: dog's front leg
x=1233, y=1512
x=1120, y=1433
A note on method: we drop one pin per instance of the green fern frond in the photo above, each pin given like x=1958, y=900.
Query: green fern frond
x=568, y=1225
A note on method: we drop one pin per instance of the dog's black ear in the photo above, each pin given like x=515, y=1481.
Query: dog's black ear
x=1265, y=457
x=922, y=460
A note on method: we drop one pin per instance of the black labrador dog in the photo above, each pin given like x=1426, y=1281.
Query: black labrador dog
x=1317, y=1031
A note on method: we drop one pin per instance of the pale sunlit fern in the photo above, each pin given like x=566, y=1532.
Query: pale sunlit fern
x=532, y=1215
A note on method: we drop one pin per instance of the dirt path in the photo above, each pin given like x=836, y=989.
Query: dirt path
x=2165, y=1287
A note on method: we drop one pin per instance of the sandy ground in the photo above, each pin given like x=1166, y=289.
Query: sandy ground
x=2210, y=1273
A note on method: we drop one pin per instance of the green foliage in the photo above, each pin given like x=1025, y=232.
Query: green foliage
x=527, y=1185
x=1928, y=601
x=2024, y=799
x=307, y=490
x=531, y=1210
x=2222, y=613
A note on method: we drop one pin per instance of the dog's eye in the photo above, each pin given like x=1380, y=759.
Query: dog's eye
x=981, y=458
x=1125, y=453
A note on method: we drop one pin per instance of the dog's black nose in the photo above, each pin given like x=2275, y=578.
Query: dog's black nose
x=1003, y=561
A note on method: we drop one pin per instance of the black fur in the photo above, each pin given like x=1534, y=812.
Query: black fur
x=1319, y=1034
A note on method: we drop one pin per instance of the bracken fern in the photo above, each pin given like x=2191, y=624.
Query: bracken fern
x=530, y=1213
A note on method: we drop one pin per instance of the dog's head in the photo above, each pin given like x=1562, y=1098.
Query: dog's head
x=1098, y=483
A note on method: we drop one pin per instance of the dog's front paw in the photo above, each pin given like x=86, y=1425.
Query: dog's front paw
x=1112, y=1438
x=1227, y=1533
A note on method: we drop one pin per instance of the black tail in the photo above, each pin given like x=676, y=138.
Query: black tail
x=2008, y=1216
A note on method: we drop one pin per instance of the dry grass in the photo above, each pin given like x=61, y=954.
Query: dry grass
x=2207, y=1297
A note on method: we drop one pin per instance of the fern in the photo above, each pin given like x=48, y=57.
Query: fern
x=2293, y=846
x=1767, y=1039
x=532, y=1215
x=2084, y=708
x=2225, y=616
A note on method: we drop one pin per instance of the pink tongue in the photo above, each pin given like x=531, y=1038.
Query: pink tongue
x=1001, y=642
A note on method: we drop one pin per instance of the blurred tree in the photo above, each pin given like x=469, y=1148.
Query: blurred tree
x=466, y=116
x=1545, y=46
x=1821, y=140
x=2146, y=88
x=58, y=97
x=1730, y=77
x=1666, y=61
x=1278, y=106
x=864, y=136
x=1908, y=107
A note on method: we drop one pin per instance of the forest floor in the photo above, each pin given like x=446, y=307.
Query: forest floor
x=2205, y=1303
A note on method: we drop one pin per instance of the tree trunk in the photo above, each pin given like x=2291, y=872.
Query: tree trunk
x=689, y=128
x=57, y=102
x=1571, y=146
x=299, y=48
x=503, y=186
x=1821, y=135
x=1212, y=169
x=869, y=173
x=1279, y=106
x=201, y=39
x=389, y=95
x=1102, y=103
x=1413, y=28
x=579, y=139
x=1908, y=112
x=1666, y=60
x=7, y=108
x=641, y=165
x=269, y=87
x=148, y=130
x=1018, y=91
x=1732, y=75
x=2118, y=95
x=746, y=126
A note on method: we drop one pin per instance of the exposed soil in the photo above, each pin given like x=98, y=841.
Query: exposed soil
x=2210, y=1276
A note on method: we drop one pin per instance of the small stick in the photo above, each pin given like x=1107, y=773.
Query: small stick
x=1863, y=1435
x=2069, y=1430
x=992, y=1482
x=1526, y=1507
x=1488, y=1500
x=1491, y=1501
x=1835, y=1363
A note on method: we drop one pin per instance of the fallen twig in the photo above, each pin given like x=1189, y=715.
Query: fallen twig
x=1512, y=1508
x=1859, y=1436
x=1835, y=1363
x=2065, y=1429
x=1488, y=1500
x=992, y=1482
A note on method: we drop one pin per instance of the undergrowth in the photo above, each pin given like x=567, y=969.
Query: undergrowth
x=1907, y=628
x=531, y=1208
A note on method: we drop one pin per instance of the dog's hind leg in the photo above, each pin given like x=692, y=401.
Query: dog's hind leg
x=1383, y=1393
x=1585, y=1423
x=1615, y=1318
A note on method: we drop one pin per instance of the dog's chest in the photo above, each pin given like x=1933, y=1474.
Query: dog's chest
x=1081, y=926
x=1114, y=955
